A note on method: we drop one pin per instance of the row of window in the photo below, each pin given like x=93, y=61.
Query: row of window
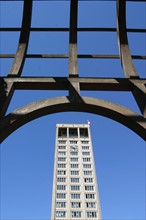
x=84, y=153
x=74, y=172
x=74, y=159
x=75, y=196
x=72, y=142
x=76, y=204
x=75, y=187
x=73, y=165
x=75, y=180
x=63, y=147
x=76, y=214
x=63, y=153
x=72, y=132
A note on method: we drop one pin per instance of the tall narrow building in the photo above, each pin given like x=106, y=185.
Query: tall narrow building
x=75, y=191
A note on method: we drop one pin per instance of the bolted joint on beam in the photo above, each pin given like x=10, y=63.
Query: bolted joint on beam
x=74, y=91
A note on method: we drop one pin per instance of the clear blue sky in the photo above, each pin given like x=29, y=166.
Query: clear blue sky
x=27, y=155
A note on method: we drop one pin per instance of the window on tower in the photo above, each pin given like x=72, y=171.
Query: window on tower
x=91, y=205
x=75, y=180
x=74, y=165
x=61, y=165
x=61, y=153
x=85, y=142
x=60, y=214
x=60, y=204
x=62, y=142
x=86, y=159
x=91, y=215
x=61, y=187
x=75, y=187
x=89, y=188
x=61, y=158
x=87, y=165
x=59, y=179
x=86, y=153
x=73, y=142
x=74, y=172
x=62, y=132
x=73, y=132
x=76, y=214
x=61, y=172
x=60, y=195
x=62, y=147
x=85, y=147
x=74, y=159
x=75, y=196
x=88, y=180
x=74, y=153
x=90, y=196
x=87, y=172
x=83, y=132
x=75, y=204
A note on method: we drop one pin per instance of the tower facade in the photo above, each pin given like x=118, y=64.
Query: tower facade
x=75, y=191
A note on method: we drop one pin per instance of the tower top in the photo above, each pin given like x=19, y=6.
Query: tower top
x=72, y=125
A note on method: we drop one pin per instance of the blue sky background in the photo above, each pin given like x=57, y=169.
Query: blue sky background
x=27, y=154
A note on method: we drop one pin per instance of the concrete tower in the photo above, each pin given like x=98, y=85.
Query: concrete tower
x=75, y=191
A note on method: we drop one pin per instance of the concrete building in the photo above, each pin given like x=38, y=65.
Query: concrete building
x=75, y=191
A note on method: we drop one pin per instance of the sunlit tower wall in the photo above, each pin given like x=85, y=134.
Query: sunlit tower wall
x=75, y=191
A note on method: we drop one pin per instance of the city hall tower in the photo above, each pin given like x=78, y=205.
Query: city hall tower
x=75, y=191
